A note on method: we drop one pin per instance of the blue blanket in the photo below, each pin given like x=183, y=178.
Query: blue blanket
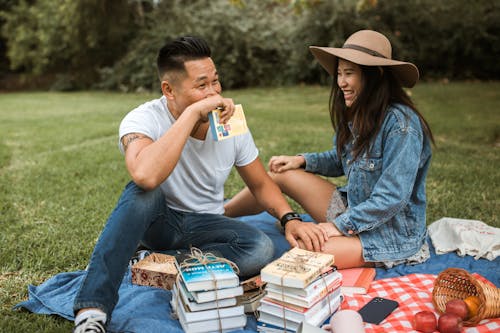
x=146, y=309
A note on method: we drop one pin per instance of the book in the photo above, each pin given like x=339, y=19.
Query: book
x=236, y=125
x=356, y=280
x=214, y=275
x=195, y=316
x=270, y=328
x=214, y=325
x=251, y=300
x=296, y=268
x=282, y=295
x=188, y=299
x=316, y=320
x=253, y=283
x=211, y=295
x=330, y=279
x=298, y=314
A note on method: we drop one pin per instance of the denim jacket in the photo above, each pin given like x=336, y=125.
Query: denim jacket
x=385, y=187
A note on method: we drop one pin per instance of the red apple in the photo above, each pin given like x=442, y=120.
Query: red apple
x=449, y=323
x=458, y=307
x=425, y=321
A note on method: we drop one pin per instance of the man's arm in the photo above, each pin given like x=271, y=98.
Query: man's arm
x=269, y=196
x=150, y=162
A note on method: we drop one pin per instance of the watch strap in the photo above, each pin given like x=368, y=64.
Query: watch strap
x=288, y=217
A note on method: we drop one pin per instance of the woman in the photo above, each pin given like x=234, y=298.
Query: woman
x=382, y=146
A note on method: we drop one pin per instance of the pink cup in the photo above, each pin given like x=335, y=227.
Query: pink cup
x=347, y=321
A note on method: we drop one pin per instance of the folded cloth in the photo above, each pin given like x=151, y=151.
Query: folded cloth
x=470, y=237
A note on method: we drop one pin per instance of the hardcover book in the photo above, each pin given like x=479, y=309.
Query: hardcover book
x=313, y=288
x=328, y=304
x=214, y=325
x=289, y=295
x=211, y=295
x=214, y=275
x=296, y=268
x=357, y=280
x=270, y=328
x=194, y=316
x=188, y=299
x=236, y=125
x=293, y=323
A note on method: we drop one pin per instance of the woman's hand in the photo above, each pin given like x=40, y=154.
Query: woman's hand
x=283, y=163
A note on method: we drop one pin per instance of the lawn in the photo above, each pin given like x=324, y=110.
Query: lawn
x=61, y=172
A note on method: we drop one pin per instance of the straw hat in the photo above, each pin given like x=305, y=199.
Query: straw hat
x=369, y=48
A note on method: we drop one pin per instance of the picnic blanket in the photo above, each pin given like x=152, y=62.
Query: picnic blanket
x=413, y=292
x=146, y=309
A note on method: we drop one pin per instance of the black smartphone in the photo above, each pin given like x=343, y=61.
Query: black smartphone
x=377, y=309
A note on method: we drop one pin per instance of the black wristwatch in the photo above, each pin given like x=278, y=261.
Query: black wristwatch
x=288, y=217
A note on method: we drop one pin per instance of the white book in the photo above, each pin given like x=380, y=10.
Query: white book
x=267, y=318
x=296, y=268
x=212, y=295
x=314, y=288
x=201, y=316
x=213, y=325
x=299, y=315
x=188, y=299
x=316, y=320
x=286, y=295
x=269, y=328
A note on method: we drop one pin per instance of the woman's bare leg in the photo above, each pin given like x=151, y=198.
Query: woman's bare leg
x=311, y=192
x=347, y=251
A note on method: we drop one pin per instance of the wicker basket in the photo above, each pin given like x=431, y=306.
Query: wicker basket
x=455, y=283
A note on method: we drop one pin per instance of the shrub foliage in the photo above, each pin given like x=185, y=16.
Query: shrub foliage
x=112, y=44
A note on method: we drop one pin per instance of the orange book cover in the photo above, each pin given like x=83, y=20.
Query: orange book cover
x=356, y=280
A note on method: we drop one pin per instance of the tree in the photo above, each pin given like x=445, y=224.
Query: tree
x=71, y=37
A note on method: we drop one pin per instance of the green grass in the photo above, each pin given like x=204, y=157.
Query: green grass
x=61, y=172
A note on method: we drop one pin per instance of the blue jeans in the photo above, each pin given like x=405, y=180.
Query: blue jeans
x=142, y=217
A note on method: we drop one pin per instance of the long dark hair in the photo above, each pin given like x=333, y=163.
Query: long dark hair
x=380, y=89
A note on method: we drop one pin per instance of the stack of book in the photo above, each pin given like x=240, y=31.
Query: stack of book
x=204, y=298
x=302, y=286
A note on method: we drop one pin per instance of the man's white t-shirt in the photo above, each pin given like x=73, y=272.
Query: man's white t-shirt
x=197, y=182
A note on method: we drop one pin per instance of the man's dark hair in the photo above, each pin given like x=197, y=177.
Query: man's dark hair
x=174, y=54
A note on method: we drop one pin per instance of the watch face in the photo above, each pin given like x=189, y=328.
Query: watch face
x=288, y=217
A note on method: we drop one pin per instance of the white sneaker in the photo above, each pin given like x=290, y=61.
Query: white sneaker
x=92, y=324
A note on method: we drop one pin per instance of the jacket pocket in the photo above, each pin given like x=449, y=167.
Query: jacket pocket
x=369, y=171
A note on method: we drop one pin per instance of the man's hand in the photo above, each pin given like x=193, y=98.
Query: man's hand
x=204, y=106
x=310, y=235
x=283, y=163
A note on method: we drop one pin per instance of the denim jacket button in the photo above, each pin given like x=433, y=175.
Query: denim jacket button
x=372, y=165
x=350, y=232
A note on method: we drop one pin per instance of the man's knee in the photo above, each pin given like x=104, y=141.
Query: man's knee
x=143, y=200
x=262, y=253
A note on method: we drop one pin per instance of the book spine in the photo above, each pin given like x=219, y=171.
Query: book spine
x=213, y=117
x=317, y=286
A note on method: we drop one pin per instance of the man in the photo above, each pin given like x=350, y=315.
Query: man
x=175, y=199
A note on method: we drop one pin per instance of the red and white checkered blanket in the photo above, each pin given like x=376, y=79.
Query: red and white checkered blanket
x=414, y=294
